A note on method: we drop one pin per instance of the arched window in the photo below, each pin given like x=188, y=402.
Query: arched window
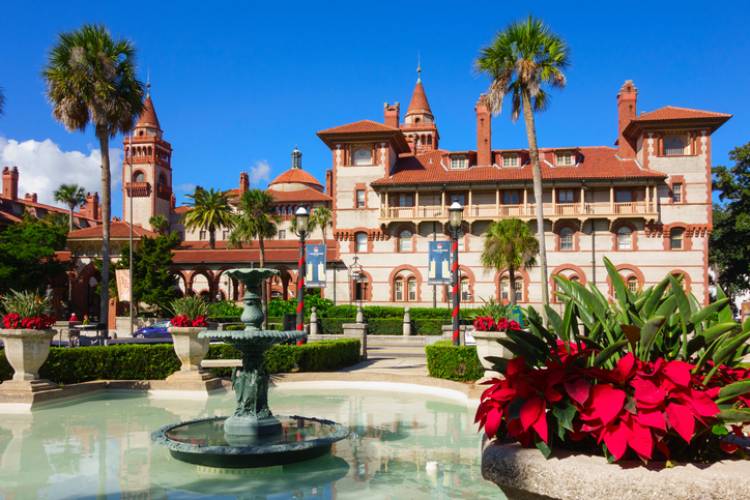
x=362, y=156
x=465, y=289
x=361, y=243
x=632, y=283
x=624, y=238
x=429, y=140
x=405, y=241
x=398, y=289
x=566, y=238
x=139, y=176
x=505, y=289
x=677, y=239
x=411, y=289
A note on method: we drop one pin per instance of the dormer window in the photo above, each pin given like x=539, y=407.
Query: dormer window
x=676, y=145
x=459, y=161
x=510, y=160
x=362, y=156
x=565, y=159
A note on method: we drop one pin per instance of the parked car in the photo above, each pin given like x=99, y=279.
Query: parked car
x=158, y=330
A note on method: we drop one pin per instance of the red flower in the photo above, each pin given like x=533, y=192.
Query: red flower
x=14, y=320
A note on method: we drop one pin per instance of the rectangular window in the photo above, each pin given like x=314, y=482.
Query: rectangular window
x=623, y=196
x=225, y=235
x=412, y=289
x=677, y=192
x=281, y=234
x=458, y=197
x=405, y=200
x=202, y=235
x=511, y=197
x=510, y=160
x=398, y=290
x=565, y=159
x=360, y=198
x=675, y=145
x=566, y=196
x=459, y=161
x=362, y=155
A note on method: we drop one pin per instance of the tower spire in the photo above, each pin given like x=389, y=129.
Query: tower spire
x=296, y=158
x=148, y=82
x=419, y=68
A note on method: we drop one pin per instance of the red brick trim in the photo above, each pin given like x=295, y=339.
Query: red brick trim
x=523, y=273
x=368, y=288
x=677, y=179
x=409, y=271
x=633, y=236
x=360, y=186
x=687, y=240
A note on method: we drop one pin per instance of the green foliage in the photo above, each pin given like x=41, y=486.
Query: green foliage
x=26, y=304
x=509, y=244
x=255, y=220
x=277, y=308
x=153, y=280
x=71, y=195
x=158, y=361
x=444, y=360
x=27, y=254
x=190, y=307
x=224, y=309
x=210, y=210
x=321, y=217
x=491, y=308
x=730, y=253
x=659, y=322
x=159, y=223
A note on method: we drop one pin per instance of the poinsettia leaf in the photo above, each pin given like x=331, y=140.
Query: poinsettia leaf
x=733, y=390
x=543, y=447
x=498, y=363
x=514, y=408
x=719, y=430
x=565, y=416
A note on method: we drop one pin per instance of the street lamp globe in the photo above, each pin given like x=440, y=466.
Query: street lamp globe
x=456, y=213
x=302, y=219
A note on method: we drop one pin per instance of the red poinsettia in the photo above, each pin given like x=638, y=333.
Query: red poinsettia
x=637, y=405
x=488, y=324
x=183, y=321
x=41, y=322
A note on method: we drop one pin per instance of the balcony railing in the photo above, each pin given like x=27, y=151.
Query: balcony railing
x=528, y=211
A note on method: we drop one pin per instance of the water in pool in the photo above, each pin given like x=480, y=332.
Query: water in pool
x=401, y=446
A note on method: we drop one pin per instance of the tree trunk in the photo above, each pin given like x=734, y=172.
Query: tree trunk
x=264, y=288
x=512, y=284
x=212, y=237
x=103, y=137
x=536, y=170
x=70, y=217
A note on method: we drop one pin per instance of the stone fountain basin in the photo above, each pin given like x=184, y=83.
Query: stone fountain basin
x=204, y=442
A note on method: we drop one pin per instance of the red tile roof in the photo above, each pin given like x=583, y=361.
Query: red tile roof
x=359, y=127
x=597, y=163
x=677, y=113
x=365, y=129
x=418, y=103
x=297, y=176
x=117, y=230
x=308, y=194
x=277, y=251
x=183, y=209
x=148, y=115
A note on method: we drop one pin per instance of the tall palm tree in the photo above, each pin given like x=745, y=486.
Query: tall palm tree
x=159, y=223
x=521, y=61
x=509, y=244
x=72, y=195
x=256, y=219
x=91, y=80
x=321, y=217
x=210, y=211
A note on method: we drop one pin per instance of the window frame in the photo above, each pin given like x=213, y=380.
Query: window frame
x=358, y=162
x=411, y=289
x=619, y=239
x=686, y=149
x=408, y=240
x=570, y=191
x=567, y=241
x=459, y=162
x=363, y=202
x=568, y=155
x=677, y=234
x=357, y=242
x=398, y=289
x=511, y=160
x=678, y=196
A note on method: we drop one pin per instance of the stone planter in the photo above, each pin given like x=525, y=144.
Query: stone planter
x=523, y=473
x=487, y=345
x=26, y=351
x=189, y=348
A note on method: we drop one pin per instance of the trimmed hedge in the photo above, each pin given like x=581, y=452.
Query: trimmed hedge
x=444, y=360
x=158, y=361
x=372, y=312
x=387, y=326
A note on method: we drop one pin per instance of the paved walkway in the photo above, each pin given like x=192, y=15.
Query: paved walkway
x=396, y=360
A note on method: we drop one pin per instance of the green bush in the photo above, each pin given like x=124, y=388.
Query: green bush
x=158, y=361
x=444, y=360
x=224, y=309
x=224, y=319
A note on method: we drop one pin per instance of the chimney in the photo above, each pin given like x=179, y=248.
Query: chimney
x=30, y=197
x=91, y=209
x=391, y=114
x=172, y=201
x=329, y=182
x=10, y=183
x=244, y=183
x=484, y=132
x=626, y=111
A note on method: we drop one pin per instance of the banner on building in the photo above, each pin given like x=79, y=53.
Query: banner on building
x=315, y=266
x=439, y=263
x=123, y=284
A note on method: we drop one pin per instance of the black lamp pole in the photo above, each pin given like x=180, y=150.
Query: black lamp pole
x=302, y=220
x=455, y=219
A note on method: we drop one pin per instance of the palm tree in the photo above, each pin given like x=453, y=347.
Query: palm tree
x=256, y=220
x=321, y=217
x=72, y=195
x=91, y=80
x=210, y=211
x=520, y=61
x=159, y=223
x=509, y=244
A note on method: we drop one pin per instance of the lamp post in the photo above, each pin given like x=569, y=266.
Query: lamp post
x=358, y=277
x=455, y=216
x=302, y=218
x=129, y=154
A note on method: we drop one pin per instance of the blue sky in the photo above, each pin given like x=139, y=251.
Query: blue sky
x=238, y=84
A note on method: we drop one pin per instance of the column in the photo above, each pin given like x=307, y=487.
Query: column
x=554, y=201
x=611, y=199
x=416, y=204
x=583, y=200
x=497, y=201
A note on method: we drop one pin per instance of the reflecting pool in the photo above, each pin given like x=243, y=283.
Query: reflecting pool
x=401, y=446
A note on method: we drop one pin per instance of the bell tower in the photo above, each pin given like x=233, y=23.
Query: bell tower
x=419, y=122
x=147, y=169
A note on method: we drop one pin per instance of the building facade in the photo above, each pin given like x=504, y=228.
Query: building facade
x=644, y=203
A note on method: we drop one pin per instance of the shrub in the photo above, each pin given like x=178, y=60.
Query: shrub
x=158, y=361
x=224, y=309
x=461, y=363
x=189, y=311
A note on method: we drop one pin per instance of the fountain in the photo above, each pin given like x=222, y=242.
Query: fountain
x=253, y=436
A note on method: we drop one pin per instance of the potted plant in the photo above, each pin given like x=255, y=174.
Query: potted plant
x=26, y=333
x=188, y=321
x=490, y=325
x=651, y=376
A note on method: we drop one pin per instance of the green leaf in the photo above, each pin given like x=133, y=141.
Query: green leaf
x=719, y=430
x=709, y=310
x=648, y=334
x=728, y=348
x=554, y=320
x=610, y=351
x=735, y=415
x=622, y=293
x=725, y=314
x=717, y=330
x=544, y=448
x=565, y=415
x=733, y=390
x=568, y=321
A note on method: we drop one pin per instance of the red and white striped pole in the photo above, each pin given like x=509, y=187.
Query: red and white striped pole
x=302, y=219
x=456, y=215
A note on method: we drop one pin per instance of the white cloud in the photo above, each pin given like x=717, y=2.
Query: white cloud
x=43, y=166
x=185, y=187
x=260, y=172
